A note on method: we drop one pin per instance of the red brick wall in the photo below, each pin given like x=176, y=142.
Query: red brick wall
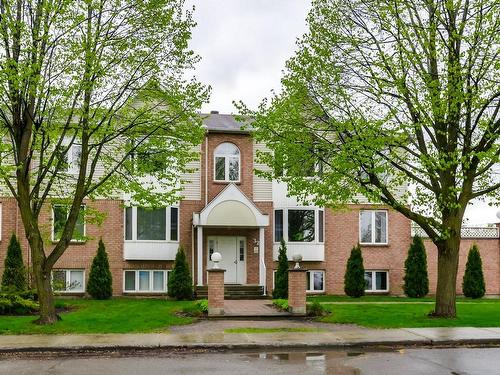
x=490, y=254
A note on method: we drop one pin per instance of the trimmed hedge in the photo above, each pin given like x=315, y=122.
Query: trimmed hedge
x=281, y=284
x=473, y=285
x=416, y=280
x=354, y=278
x=18, y=303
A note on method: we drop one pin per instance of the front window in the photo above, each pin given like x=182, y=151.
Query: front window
x=376, y=281
x=227, y=163
x=145, y=281
x=300, y=225
x=69, y=281
x=160, y=224
x=373, y=227
x=60, y=216
x=315, y=281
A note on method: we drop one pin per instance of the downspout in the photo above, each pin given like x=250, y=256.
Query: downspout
x=192, y=253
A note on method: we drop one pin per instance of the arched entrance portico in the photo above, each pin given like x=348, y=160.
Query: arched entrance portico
x=231, y=212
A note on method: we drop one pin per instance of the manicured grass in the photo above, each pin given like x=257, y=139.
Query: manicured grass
x=413, y=315
x=273, y=330
x=119, y=315
x=374, y=298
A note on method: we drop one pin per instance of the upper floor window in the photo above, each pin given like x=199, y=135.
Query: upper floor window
x=227, y=163
x=373, y=226
x=160, y=224
x=299, y=225
x=60, y=216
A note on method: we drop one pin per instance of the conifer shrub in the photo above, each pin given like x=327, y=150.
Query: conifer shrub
x=180, y=285
x=14, y=274
x=354, y=278
x=416, y=280
x=473, y=285
x=100, y=284
x=281, y=278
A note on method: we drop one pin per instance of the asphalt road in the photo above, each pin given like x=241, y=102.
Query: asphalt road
x=406, y=361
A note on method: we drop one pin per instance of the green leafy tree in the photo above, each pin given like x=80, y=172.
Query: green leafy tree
x=180, y=284
x=416, y=279
x=387, y=94
x=281, y=280
x=14, y=274
x=94, y=98
x=100, y=284
x=354, y=277
x=473, y=285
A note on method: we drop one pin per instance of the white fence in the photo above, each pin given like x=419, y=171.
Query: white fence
x=467, y=232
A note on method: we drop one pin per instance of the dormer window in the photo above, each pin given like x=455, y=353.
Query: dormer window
x=227, y=163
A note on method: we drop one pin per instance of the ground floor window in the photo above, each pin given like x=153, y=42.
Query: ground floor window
x=376, y=281
x=72, y=281
x=315, y=281
x=145, y=281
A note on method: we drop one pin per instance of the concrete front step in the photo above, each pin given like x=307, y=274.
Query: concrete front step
x=235, y=292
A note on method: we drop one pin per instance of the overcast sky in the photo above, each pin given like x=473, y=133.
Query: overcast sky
x=244, y=45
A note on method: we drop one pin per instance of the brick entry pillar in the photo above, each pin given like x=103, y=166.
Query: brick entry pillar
x=215, y=291
x=297, y=291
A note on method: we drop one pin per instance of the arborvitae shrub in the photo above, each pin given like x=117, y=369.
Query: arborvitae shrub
x=354, y=278
x=473, y=283
x=14, y=274
x=281, y=277
x=180, y=285
x=100, y=284
x=416, y=280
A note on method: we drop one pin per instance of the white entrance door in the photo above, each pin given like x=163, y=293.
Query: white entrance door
x=233, y=251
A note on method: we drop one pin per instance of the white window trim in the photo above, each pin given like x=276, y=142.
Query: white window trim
x=151, y=291
x=374, y=283
x=53, y=238
x=373, y=227
x=226, y=164
x=68, y=279
x=285, y=224
x=311, y=285
x=167, y=226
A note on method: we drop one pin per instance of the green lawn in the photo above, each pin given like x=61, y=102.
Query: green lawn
x=470, y=314
x=119, y=315
x=372, y=298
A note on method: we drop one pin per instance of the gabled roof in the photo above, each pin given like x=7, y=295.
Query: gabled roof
x=231, y=208
x=225, y=123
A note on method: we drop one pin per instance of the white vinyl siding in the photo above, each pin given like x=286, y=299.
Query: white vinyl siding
x=191, y=181
x=262, y=187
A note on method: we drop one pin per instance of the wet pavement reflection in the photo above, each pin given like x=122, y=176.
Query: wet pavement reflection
x=428, y=361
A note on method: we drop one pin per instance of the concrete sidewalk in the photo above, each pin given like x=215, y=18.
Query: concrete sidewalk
x=340, y=338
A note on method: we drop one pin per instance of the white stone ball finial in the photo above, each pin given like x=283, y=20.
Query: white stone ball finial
x=297, y=258
x=216, y=258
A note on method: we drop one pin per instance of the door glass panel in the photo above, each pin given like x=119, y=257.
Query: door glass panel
x=242, y=251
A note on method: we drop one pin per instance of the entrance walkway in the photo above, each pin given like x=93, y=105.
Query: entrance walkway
x=251, y=308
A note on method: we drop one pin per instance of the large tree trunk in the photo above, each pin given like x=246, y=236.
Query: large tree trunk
x=448, y=252
x=45, y=298
x=43, y=281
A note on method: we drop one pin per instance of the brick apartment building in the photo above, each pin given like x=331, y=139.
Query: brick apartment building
x=227, y=208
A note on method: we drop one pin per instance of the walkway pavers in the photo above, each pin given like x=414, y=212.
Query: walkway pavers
x=251, y=307
x=345, y=337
